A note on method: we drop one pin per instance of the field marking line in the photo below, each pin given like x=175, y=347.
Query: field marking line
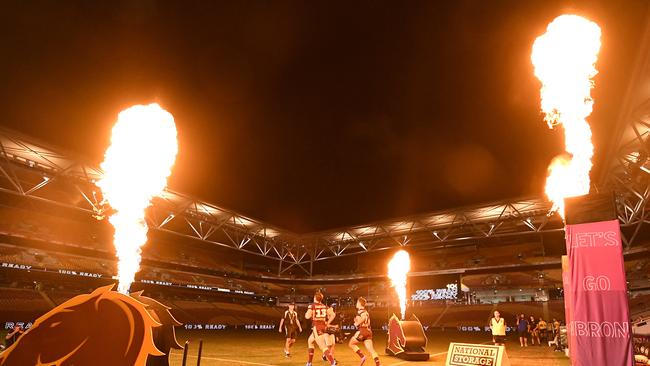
x=267, y=364
x=224, y=359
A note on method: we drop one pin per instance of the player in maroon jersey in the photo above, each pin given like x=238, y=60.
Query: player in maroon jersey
x=363, y=334
x=319, y=314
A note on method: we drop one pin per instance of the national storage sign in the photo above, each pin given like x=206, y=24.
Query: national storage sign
x=465, y=354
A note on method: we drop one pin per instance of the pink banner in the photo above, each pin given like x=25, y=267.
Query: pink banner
x=596, y=296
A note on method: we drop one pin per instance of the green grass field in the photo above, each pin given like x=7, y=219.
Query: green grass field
x=265, y=349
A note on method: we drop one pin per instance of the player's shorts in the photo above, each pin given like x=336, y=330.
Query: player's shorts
x=291, y=332
x=499, y=339
x=363, y=334
x=522, y=333
x=323, y=340
x=330, y=339
x=320, y=329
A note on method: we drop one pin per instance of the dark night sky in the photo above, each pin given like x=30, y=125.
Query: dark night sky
x=311, y=114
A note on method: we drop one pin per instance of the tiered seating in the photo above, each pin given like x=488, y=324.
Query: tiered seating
x=78, y=263
x=19, y=304
x=266, y=312
x=640, y=305
x=28, y=256
x=222, y=312
x=478, y=315
x=465, y=257
x=208, y=258
x=29, y=304
x=50, y=259
x=11, y=254
x=59, y=229
x=60, y=297
x=192, y=311
x=454, y=316
x=240, y=312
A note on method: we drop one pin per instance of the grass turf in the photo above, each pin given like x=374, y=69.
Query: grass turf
x=263, y=348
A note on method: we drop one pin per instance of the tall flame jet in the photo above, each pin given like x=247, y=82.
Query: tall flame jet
x=398, y=269
x=136, y=167
x=565, y=63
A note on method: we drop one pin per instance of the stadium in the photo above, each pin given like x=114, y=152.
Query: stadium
x=227, y=278
x=54, y=248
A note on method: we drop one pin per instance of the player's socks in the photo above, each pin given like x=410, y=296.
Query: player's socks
x=310, y=356
x=361, y=355
x=377, y=363
x=329, y=357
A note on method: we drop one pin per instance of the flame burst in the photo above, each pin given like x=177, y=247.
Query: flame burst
x=564, y=59
x=398, y=268
x=136, y=167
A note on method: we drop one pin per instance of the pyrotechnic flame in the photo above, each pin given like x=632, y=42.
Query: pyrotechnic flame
x=564, y=58
x=398, y=268
x=136, y=167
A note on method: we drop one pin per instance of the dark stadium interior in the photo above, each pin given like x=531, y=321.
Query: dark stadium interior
x=315, y=141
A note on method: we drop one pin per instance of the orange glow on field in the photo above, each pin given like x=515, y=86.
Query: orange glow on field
x=136, y=167
x=398, y=268
x=564, y=59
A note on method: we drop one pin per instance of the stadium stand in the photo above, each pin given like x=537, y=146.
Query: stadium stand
x=19, y=303
x=69, y=255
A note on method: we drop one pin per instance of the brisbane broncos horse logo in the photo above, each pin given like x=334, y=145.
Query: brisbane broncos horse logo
x=406, y=339
x=396, y=339
x=101, y=328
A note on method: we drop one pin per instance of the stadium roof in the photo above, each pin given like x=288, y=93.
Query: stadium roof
x=33, y=169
